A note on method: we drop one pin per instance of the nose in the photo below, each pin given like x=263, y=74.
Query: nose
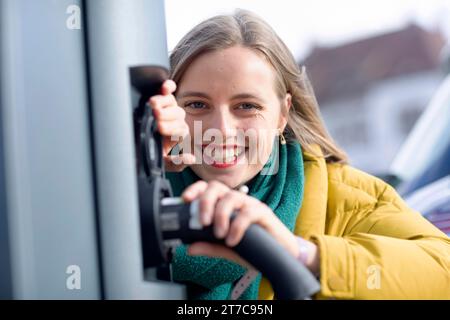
x=224, y=121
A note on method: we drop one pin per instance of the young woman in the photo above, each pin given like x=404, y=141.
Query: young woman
x=231, y=74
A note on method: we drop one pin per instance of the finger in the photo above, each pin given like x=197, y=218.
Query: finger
x=216, y=250
x=208, y=201
x=179, y=162
x=194, y=190
x=173, y=129
x=170, y=113
x=239, y=226
x=161, y=101
x=231, y=201
x=168, y=87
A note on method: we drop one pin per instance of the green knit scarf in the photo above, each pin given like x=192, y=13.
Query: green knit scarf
x=213, y=278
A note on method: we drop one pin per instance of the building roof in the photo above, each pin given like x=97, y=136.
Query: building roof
x=351, y=68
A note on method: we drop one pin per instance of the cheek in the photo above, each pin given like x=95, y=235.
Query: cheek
x=266, y=128
x=190, y=122
x=260, y=143
x=196, y=128
x=266, y=146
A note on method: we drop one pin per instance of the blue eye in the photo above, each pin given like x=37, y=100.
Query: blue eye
x=195, y=105
x=248, y=106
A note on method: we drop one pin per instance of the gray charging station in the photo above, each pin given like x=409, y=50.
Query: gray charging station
x=69, y=221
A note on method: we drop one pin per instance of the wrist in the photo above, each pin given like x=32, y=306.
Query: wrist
x=308, y=254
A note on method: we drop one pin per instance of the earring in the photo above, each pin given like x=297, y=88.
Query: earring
x=282, y=139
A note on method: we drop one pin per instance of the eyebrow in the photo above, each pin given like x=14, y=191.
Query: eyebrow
x=243, y=95
x=193, y=94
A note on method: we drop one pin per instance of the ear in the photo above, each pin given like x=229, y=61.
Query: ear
x=286, y=105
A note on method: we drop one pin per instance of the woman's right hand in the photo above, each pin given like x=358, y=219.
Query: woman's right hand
x=171, y=125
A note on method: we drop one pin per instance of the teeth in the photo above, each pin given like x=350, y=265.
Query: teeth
x=229, y=153
x=226, y=155
x=239, y=151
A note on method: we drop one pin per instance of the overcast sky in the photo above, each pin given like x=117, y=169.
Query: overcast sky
x=302, y=23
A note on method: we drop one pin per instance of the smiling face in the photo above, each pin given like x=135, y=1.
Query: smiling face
x=228, y=92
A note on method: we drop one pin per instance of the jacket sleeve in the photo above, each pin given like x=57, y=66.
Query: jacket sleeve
x=386, y=251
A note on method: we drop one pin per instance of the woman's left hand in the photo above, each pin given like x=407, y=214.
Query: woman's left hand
x=217, y=203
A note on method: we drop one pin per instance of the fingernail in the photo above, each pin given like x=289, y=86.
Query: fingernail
x=187, y=194
x=206, y=219
x=220, y=232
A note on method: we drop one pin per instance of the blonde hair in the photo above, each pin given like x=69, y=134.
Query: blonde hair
x=244, y=28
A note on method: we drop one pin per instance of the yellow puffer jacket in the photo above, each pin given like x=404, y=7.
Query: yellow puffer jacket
x=372, y=246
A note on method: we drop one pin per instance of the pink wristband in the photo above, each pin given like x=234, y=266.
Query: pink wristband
x=303, y=254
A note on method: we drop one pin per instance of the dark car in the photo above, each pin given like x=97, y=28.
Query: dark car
x=433, y=201
x=421, y=170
